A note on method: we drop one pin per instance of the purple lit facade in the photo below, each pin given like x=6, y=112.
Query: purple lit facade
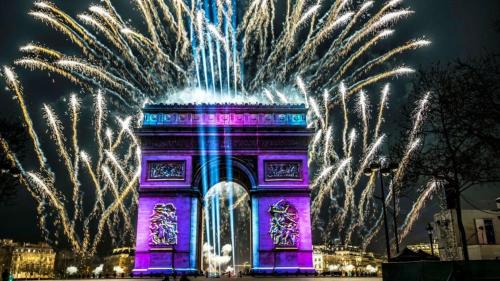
x=188, y=148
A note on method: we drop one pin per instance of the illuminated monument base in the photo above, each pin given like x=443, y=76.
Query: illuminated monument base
x=188, y=148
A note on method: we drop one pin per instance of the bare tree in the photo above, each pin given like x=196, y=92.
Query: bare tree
x=461, y=134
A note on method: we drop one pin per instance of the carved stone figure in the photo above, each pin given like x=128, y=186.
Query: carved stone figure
x=163, y=225
x=283, y=228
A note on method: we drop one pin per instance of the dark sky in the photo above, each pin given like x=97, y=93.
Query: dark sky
x=457, y=28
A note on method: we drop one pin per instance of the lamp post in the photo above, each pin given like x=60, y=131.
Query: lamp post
x=385, y=170
x=430, y=231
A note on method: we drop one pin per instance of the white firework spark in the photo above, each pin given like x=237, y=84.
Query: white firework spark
x=44, y=186
x=185, y=48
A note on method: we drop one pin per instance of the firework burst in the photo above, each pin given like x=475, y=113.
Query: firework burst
x=321, y=46
x=191, y=45
x=112, y=191
x=342, y=167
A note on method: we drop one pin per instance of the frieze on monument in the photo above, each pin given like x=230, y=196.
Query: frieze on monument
x=282, y=170
x=166, y=170
x=227, y=115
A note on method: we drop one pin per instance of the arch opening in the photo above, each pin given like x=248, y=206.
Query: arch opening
x=226, y=229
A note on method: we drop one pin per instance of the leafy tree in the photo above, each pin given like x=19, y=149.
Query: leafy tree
x=461, y=133
x=15, y=135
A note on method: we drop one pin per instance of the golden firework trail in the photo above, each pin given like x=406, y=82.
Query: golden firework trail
x=37, y=181
x=74, y=105
x=353, y=196
x=363, y=109
x=366, y=197
x=326, y=188
x=184, y=46
x=322, y=48
x=43, y=65
x=112, y=208
x=34, y=49
x=349, y=198
x=14, y=86
x=60, y=27
x=56, y=128
x=380, y=115
x=302, y=87
x=414, y=213
x=317, y=111
x=328, y=145
x=352, y=139
x=413, y=141
x=99, y=116
x=97, y=184
x=77, y=226
x=343, y=93
x=117, y=164
x=375, y=78
x=413, y=144
x=116, y=194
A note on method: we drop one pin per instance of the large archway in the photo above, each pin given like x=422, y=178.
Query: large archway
x=226, y=236
x=190, y=153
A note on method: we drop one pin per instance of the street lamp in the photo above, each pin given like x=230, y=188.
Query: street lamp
x=392, y=167
x=430, y=231
x=384, y=169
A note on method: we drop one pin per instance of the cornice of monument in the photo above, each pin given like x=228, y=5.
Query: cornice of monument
x=225, y=115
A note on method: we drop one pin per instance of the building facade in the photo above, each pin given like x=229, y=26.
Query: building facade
x=318, y=263
x=120, y=262
x=426, y=247
x=346, y=261
x=482, y=229
x=27, y=260
x=65, y=259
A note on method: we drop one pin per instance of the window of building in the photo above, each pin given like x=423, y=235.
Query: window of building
x=485, y=231
x=489, y=231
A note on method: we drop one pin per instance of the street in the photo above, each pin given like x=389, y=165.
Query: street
x=252, y=278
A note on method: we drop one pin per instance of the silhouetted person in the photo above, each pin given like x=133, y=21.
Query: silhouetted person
x=184, y=278
x=5, y=275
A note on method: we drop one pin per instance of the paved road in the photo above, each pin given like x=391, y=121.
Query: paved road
x=250, y=278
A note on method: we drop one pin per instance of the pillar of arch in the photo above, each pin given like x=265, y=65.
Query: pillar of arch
x=188, y=148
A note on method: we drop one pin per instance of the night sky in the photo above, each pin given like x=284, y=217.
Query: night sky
x=457, y=28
